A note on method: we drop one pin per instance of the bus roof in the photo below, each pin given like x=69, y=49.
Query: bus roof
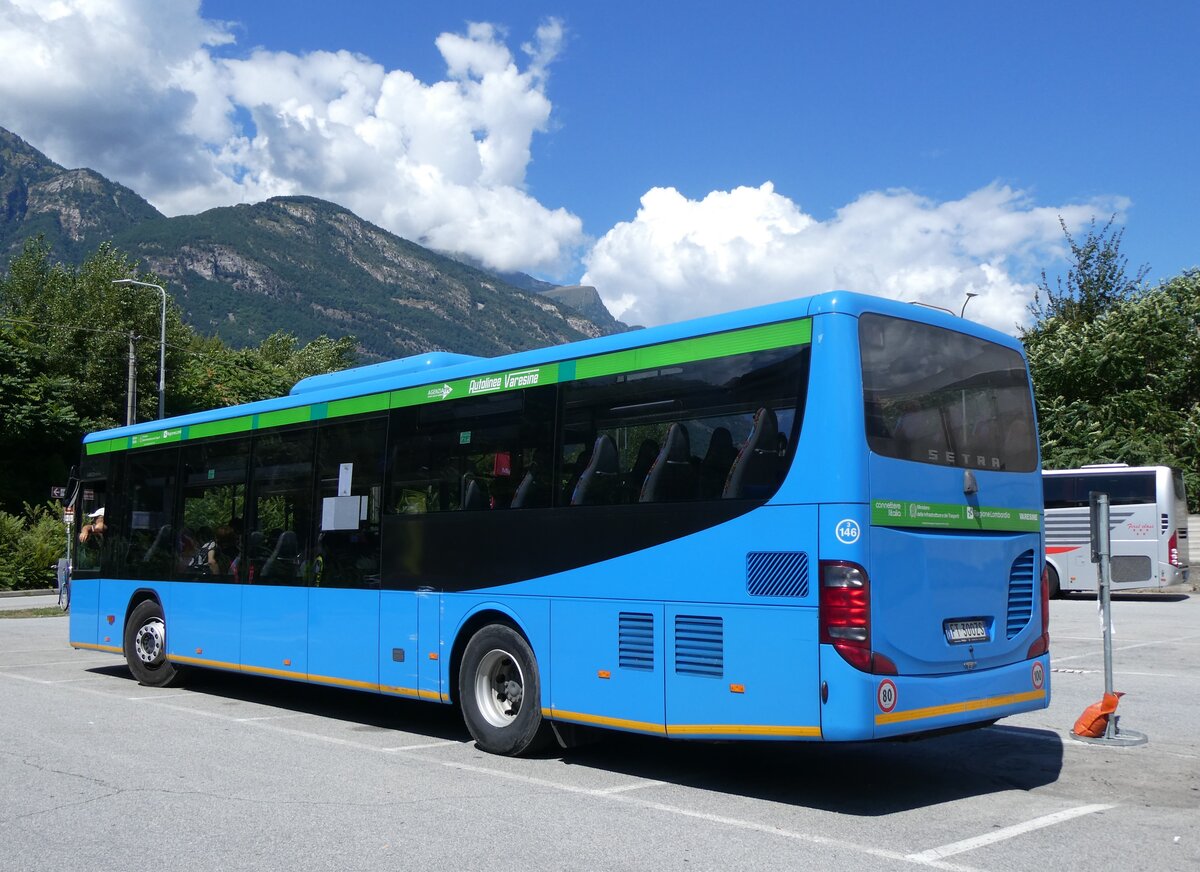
x=433, y=367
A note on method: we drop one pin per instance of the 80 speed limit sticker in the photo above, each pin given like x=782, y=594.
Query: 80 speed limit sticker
x=886, y=695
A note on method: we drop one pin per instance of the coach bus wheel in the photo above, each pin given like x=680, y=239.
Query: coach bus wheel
x=146, y=646
x=1055, y=585
x=501, y=694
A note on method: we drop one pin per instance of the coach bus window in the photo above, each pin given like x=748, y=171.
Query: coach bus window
x=147, y=524
x=937, y=396
x=1074, y=491
x=282, y=517
x=350, y=458
x=212, y=543
x=480, y=453
x=675, y=433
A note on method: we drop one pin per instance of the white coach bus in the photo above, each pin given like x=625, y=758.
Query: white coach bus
x=1148, y=519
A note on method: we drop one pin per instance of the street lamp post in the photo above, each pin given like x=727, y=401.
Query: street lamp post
x=162, y=339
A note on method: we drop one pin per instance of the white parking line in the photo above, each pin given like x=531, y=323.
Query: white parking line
x=265, y=717
x=159, y=696
x=934, y=854
x=421, y=746
x=74, y=662
x=624, y=787
x=1182, y=640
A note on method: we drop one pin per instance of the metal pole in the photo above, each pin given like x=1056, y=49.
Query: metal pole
x=131, y=385
x=1104, y=551
x=162, y=340
x=162, y=357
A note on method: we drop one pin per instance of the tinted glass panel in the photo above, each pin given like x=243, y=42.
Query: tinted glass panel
x=212, y=542
x=282, y=522
x=350, y=495
x=702, y=430
x=482, y=453
x=1123, y=489
x=147, y=522
x=93, y=530
x=937, y=396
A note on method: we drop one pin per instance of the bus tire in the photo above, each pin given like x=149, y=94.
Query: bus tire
x=500, y=692
x=146, y=646
x=1054, y=584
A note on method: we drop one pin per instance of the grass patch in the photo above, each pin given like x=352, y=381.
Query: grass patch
x=46, y=612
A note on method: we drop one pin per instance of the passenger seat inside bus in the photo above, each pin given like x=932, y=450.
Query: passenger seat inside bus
x=284, y=562
x=717, y=462
x=672, y=476
x=599, y=478
x=755, y=471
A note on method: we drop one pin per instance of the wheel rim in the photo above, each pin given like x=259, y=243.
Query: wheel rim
x=150, y=641
x=499, y=688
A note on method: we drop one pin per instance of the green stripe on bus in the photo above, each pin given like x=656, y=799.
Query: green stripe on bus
x=953, y=516
x=764, y=338
x=357, y=405
x=221, y=428
x=283, y=417
x=104, y=446
x=156, y=437
x=702, y=348
x=492, y=383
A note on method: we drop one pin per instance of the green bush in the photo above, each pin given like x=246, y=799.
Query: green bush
x=30, y=545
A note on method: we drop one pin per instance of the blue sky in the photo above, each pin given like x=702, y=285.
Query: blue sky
x=684, y=158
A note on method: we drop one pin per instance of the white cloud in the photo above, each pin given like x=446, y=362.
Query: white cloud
x=681, y=258
x=136, y=90
x=154, y=95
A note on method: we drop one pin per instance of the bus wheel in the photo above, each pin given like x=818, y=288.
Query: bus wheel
x=146, y=646
x=1055, y=586
x=500, y=692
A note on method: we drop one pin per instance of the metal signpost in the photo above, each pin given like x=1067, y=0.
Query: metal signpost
x=1102, y=557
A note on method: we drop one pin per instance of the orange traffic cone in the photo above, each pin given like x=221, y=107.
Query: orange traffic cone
x=1093, y=723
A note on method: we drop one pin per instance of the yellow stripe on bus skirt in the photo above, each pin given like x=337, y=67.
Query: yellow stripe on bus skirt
x=936, y=711
x=684, y=729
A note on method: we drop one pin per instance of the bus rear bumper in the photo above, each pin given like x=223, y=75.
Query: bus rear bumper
x=897, y=705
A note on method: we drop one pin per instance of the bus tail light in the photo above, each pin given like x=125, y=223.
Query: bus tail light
x=846, y=616
x=1173, y=549
x=1042, y=643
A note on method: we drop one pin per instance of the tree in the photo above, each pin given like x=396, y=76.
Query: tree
x=64, y=338
x=1096, y=280
x=1123, y=386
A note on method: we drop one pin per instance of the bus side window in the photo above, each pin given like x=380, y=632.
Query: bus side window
x=350, y=459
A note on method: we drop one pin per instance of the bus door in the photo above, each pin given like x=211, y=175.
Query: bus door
x=344, y=596
x=279, y=553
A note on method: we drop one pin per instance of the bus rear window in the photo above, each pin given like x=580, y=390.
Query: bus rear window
x=936, y=396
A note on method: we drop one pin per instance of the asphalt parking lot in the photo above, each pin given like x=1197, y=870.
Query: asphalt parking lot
x=236, y=772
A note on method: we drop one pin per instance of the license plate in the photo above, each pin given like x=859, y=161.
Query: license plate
x=963, y=631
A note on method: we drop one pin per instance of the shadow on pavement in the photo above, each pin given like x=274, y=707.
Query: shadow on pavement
x=864, y=779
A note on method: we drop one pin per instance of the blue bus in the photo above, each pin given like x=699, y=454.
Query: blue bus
x=814, y=520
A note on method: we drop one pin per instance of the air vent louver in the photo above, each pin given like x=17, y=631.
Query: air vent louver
x=1020, y=594
x=635, y=645
x=699, y=645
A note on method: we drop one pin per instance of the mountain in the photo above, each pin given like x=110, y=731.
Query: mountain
x=582, y=298
x=311, y=267
x=75, y=210
x=298, y=264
